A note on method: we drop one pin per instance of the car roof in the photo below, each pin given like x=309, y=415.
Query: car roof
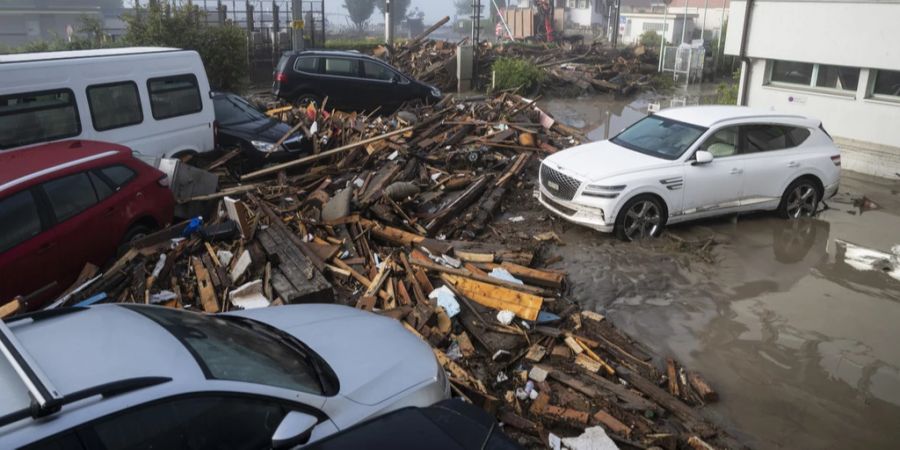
x=23, y=165
x=45, y=56
x=87, y=347
x=710, y=115
x=345, y=53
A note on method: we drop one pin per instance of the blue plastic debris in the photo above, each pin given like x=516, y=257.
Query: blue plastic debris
x=192, y=227
x=91, y=300
x=545, y=317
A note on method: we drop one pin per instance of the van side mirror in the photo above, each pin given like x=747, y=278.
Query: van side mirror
x=295, y=429
x=702, y=157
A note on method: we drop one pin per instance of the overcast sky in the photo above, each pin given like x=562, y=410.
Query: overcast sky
x=433, y=9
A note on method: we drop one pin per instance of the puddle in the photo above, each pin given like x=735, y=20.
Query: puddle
x=797, y=331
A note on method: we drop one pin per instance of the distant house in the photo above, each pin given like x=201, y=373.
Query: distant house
x=710, y=14
x=849, y=80
x=633, y=24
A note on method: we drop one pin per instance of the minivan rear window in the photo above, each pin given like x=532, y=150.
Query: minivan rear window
x=174, y=96
x=33, y=117
x=307, y=64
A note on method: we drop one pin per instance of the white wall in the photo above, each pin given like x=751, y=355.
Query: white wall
x=585, y=17
x=859, y=34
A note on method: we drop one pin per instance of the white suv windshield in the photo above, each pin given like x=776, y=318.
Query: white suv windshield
x=659, y=137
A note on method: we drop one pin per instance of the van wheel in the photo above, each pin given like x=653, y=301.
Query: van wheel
x=306, y=99
x=642, y=217
x=800, y=199
x=133, y=234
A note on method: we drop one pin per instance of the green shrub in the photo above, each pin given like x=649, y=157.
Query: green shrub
x=222, y=48
x=727, y=93
x=651, y=39
x=513, y=73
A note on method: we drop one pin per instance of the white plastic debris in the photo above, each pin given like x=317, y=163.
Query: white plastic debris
x=446, y=299
x=503, y=274
x=224, y=257
x=359, y=182
x=162, y=296
x=516, y=219
x=501, y=377
x=159, y=265
x=506, y=316
x=451, y=261
x=538, y=374
x=593, y=438
x=394, y=155
x=249, y=296
x=521, y=394
x=240, y=266
x=314, y=128
x=453, y=352
x=554, y=442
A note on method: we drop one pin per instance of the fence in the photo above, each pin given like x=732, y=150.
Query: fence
x=270, y=29
x=685, y=60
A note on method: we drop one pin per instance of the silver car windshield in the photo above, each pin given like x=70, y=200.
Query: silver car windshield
x=239, y=349
x=659, y=137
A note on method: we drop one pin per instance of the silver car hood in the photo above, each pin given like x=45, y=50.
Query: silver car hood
x=374, y=357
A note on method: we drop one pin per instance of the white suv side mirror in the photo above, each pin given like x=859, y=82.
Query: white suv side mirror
x=295, y=429
x=702, y=157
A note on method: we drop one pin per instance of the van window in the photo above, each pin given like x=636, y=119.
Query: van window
x=174, y=96
x=70, y=195
x=38, y=117
x=307, y=64
x=114, y=105
x=376, y=71
x=19, y=220
x=341, y=66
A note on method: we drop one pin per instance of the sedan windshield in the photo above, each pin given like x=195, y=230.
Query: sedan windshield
x=660, y=137
x=231, y=110
x=239, y=349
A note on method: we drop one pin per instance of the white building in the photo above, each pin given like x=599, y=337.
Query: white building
x=834, y=60
x=633, y=24
x=710, y=14
x=585, y=13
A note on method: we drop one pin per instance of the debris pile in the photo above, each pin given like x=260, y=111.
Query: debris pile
x=394, y=215
x=571, y=69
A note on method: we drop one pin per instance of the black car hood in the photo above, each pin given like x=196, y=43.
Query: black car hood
x=269, y=130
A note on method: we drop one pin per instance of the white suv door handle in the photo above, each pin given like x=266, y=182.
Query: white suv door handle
x=793, y=164
x=736, y=171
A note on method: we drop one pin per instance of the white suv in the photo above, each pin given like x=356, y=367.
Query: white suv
x=687, y=163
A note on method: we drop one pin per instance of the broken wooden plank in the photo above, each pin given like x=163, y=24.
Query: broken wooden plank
x=205, y=287
x=522, y=304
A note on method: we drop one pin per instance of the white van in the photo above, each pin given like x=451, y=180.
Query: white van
x=154, y=100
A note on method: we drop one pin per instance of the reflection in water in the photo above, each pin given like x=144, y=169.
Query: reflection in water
x=797, y=333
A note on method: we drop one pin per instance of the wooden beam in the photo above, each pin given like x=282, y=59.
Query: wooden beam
x=205, y=287
x=522, y=304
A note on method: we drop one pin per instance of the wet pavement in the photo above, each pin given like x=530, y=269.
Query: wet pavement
x=797, y=330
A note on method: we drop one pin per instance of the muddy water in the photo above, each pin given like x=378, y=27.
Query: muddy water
x=801, y=339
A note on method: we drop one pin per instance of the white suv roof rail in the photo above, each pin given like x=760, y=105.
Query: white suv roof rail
x=44, y=396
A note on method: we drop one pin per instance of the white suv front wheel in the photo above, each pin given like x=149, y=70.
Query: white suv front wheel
x=642, y=217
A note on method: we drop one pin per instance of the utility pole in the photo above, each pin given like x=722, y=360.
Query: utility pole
x=297, y=25
x=615, y=36
x=684, y=22
x=388, y=23
x=665, y=28
x=705, y=10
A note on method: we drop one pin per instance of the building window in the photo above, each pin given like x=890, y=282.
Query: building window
x=819, y=76
x=37, y=117
x=114, y=105
x=583, y=4
x=792, y=72
x=174, y=96
x=651, y=26
x=837, y=77
x=570, y=3
x=886, y=83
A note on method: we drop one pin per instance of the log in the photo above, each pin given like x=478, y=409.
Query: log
x=522, y=304
x=611, y=423
x=279, y=167
x=688, y=416
x=706, y=393
x=536, y=277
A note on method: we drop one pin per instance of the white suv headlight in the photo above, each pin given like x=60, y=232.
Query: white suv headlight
x=265, y=147
x=601, y=191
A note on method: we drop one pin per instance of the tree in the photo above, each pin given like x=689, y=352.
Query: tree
x=360, y=11
x=463, y=8
x=92, y=26
x=399, y=7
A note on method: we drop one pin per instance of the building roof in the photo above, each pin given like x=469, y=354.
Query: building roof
x=699, y=4
x=20, y=166
x=44, y=56
x=707, y=116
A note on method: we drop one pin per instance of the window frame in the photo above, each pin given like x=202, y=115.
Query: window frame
x=89, y=438
x=814, y=76
x=140, y=106
x=183, y=75
x=870, y=87
x=73, y=103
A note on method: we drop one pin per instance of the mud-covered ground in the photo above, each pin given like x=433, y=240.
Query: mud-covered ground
x=799, y=337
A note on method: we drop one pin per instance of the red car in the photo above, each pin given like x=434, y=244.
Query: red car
x=69, y=203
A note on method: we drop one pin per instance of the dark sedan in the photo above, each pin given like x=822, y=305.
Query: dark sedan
x=350, y=81
x=243, y=126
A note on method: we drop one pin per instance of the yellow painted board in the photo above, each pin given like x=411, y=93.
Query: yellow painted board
x=522, y=304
